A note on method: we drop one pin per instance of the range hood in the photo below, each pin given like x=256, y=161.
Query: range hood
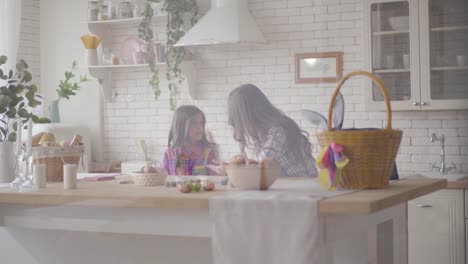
x=227, y=22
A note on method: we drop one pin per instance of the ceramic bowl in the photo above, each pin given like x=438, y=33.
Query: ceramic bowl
x=245, y=177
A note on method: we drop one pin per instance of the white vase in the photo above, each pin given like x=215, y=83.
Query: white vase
x=7, y=162
x=91, y=56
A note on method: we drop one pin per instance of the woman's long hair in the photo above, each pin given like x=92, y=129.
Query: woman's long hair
x=178, y=134
x=251, y=115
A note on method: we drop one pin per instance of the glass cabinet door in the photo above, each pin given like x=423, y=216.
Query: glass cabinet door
x=391, y=49
x=448, y=49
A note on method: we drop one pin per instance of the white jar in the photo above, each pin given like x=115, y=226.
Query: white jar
x=93, y=10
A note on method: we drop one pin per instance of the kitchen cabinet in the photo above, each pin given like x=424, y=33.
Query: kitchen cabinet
x=104, y=73
x=418, y=49
x=436, y=228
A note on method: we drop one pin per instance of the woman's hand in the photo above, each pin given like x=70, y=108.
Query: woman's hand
x=218, y=167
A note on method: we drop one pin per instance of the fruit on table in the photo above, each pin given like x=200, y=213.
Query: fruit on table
x=237, y=160
x=196, y=187
x=148, y=169
x=207, y=185
x=185, y=187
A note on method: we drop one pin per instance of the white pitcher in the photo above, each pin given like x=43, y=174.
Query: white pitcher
x=7, y=162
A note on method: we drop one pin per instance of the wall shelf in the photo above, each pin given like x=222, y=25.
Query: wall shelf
x=449, y=28
x=384, y=33
x=392, y=71
x=450, y=68
x=104, y=72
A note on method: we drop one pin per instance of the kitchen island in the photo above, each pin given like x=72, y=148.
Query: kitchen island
x=108, y=222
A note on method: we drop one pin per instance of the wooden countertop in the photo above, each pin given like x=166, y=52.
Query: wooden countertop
x=113, y=194
x=369, y=201
x=463, y=184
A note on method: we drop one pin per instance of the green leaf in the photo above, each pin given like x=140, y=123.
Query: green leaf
x=19, y=89
x=12, y=137
x=43, y=120
x=10, y=74
x=33, y=88
x=11, y=113
x=20, y=66
x=27, y=76
x=23, y=113
x=26, y=66
x=3, y=59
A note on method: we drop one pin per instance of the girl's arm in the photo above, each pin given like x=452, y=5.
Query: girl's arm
x=214, y=168
x=165, y=163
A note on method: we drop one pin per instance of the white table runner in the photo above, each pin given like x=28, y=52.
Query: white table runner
x=278, y=226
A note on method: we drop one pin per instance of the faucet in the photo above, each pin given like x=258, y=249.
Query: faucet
x=442, y=168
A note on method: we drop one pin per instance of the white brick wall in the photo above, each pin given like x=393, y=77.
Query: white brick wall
x=290, y=26
x=28, y=49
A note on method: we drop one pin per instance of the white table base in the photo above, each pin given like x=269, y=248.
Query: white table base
x=76, y=234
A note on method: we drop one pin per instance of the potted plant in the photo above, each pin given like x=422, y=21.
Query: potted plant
x=67, y=87
x=179, y=11
x=145, y=32
x=17, y=100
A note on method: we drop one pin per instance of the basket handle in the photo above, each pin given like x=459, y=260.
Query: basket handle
x=376, y=81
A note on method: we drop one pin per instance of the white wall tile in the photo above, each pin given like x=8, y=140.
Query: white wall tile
x=290, y=26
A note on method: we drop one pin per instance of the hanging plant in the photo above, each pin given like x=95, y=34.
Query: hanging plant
x=145, y=32
x=177, y=10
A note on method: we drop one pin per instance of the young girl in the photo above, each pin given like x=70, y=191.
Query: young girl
x=188, y=150
x=259, y=125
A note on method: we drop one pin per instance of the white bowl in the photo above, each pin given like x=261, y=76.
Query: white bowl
x=399, y=22
x=245, y=177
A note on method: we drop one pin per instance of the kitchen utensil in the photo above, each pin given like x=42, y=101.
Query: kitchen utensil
x=144, y=148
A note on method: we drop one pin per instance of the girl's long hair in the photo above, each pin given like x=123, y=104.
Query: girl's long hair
x=251, y=115
x=178, y=134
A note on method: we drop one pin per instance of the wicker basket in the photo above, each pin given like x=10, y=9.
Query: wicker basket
x=149, y=179
x=54, y=158
x=371, y=153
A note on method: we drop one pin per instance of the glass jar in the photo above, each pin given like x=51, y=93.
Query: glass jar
x=103, y=13
x=93, y=10
x=111, y=14
x=125, y=10
x=106, y=56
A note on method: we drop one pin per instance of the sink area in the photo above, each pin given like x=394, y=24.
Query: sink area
x=449, y=177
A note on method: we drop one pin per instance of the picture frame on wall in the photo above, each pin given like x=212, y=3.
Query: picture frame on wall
x=324, y=67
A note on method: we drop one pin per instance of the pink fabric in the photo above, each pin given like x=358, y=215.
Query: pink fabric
x=196, y=157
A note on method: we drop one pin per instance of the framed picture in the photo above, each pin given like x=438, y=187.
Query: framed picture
x=325, y=67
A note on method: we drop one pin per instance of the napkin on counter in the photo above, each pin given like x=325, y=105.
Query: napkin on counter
x=281, y=225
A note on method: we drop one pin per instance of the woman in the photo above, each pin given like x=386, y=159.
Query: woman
x=259, y=125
